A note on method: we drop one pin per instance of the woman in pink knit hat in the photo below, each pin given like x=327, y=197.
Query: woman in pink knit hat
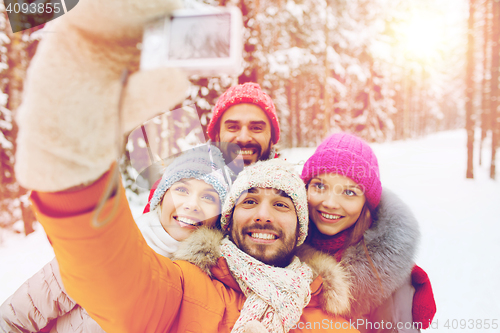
x=371, y=232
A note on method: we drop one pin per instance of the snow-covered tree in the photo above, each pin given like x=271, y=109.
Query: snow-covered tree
x=346, y=65
x=16, y=51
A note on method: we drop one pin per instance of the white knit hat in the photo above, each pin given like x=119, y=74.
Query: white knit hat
x=276, y=174
x=204, y=163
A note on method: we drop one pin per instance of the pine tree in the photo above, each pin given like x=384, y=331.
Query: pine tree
x=485, y=86
x=469, y=117
x=495, y=82
x=16, y=51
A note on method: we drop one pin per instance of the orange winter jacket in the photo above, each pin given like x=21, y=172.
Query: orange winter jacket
x=127, y=287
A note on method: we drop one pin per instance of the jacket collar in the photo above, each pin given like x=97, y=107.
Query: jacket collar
x=330, y=288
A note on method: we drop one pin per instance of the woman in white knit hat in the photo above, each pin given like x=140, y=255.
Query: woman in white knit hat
x=190, y=194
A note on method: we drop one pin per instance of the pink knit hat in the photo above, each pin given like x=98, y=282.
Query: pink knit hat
x=244, y=93
x=349, y=156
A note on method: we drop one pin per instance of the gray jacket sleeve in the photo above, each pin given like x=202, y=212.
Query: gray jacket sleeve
x=394, y=315
x=39, y=300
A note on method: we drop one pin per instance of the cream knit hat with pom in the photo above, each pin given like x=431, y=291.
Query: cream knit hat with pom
x=276, y=174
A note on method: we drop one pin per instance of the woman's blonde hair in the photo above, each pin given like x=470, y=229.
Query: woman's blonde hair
x=356, y=235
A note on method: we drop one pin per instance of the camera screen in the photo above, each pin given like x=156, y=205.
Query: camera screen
x=200, y=37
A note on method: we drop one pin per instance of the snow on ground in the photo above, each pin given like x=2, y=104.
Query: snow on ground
x=21, y=257
x=459, y=220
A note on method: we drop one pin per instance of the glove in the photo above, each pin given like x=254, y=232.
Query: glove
x=424, y=306
x=68, y=118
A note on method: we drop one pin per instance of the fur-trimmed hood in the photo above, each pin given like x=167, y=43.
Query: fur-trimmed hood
x=201, y=248
x=391, y=242
x=330, y=288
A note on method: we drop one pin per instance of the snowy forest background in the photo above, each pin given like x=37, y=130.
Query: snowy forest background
x=383, y=69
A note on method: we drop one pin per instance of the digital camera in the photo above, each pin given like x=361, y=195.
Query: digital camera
x=204, y=42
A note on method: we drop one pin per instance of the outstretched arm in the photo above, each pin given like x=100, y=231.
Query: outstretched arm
x=67, y=137
x=110, y=271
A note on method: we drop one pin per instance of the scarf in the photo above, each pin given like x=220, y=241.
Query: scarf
x=157, y=238
x=275, y=296
x=329, y=244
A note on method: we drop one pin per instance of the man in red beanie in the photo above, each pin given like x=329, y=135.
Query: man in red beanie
x=245, y=115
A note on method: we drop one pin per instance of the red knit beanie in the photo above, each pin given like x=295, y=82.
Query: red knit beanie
x=251, y=93
x=349, y=156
